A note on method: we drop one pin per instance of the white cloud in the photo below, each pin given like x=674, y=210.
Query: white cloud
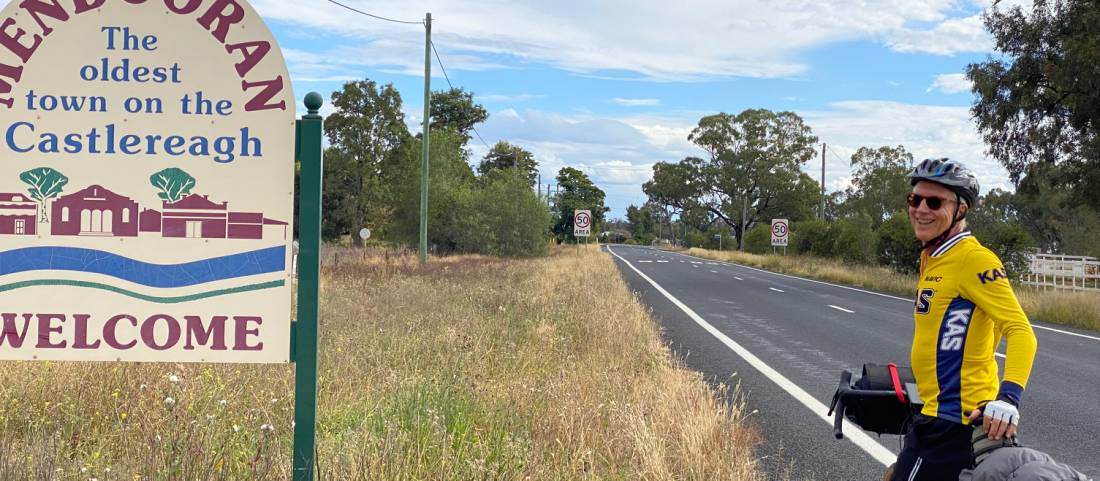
x=653, y=39
x=620, y=157
x=506, y=98
x=540, y=126
x=947, y=38
x=925, y=131
x=635, y=102
x=951, y=83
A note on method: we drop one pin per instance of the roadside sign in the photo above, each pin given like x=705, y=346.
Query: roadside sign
x=582, y=223
x=147, y=189
x=364, y=233
x=781, y=232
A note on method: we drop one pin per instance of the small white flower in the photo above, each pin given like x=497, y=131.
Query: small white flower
x=83, y=469
x=106, y=470
x=267, y=427
x=236, y=428
x=273, y=401
x=169, y=401
x=143, y=386
x=209, y=417
x=223, y=402
x=174, y=379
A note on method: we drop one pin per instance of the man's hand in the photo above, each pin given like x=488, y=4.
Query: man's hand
x=1001, y=419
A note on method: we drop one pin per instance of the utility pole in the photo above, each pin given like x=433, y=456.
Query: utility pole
x=822, y=181
x=427, y=131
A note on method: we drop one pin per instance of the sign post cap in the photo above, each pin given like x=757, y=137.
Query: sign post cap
x=313, y=102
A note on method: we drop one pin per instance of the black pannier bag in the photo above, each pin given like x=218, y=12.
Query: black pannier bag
x=882, y=401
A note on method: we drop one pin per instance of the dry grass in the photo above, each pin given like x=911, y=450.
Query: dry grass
x=831, y=270
x=1080, y=309
x=471, y=368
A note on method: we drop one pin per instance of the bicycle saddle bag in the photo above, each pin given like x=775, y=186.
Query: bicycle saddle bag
x=881, y=401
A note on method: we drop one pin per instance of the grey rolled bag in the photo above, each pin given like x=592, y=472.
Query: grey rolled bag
x=1005, y=460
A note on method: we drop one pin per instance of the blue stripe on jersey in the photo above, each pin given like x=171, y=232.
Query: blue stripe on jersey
x=1011, y=391
x=949, y=357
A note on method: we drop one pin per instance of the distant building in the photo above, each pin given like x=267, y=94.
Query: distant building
x=18, y=215
x=95, y=211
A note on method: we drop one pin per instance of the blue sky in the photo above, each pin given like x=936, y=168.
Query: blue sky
x=612, y=87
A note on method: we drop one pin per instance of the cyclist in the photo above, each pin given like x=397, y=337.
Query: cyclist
x=964, y=306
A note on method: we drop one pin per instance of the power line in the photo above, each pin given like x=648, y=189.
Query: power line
x=375, y=16
x=449, y=84
x=441, y=67
x=837, y=157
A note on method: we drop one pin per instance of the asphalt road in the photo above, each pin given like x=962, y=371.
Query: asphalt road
x=784, y=340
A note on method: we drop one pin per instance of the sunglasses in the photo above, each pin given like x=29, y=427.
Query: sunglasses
x=934, y=203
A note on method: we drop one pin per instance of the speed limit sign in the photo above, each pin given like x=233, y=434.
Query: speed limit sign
x=582, y=223
x=781, y=232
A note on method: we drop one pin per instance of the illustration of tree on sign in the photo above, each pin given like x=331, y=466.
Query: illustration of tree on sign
x=46, y=184
x=174, y=184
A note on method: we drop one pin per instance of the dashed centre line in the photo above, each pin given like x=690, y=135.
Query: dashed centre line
x=841, y=309
x=776, y=290
x=738, y=278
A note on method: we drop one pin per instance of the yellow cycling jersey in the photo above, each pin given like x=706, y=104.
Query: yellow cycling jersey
x=964, y=305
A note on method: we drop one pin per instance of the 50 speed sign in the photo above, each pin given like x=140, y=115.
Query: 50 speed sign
x=781, y=232
x=582, y=223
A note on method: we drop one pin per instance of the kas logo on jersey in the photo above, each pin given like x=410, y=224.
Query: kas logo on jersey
x=955, y=329
x=924, y=301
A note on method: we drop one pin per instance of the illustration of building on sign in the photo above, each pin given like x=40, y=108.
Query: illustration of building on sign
x=196, y=216
x=95, y=211
x=18, y=214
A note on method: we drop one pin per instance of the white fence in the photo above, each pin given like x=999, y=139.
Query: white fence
x=1058, y=272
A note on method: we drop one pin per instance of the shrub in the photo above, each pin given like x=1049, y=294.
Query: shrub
x=759, y=239
x=517, y=225
x=813, y=237
x=1011, y=243
x=897, y=247
x=855, y=241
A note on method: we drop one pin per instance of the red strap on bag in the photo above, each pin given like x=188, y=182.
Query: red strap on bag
x=897, y=382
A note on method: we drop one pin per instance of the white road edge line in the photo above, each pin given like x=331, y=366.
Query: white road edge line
x=1094, y=338
x=1067, y=332
x=859, y=438
x=776, y=290
x=842, y=309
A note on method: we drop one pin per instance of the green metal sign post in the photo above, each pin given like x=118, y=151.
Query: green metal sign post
x=304, y=335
